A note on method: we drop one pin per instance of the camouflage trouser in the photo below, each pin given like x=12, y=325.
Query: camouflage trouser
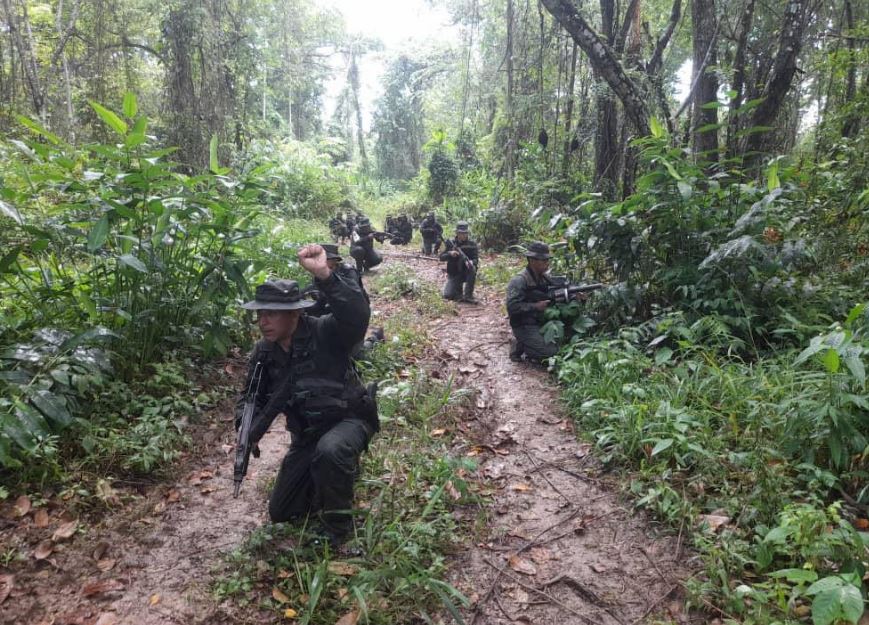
x=318, y=477
x=453, y=287
x=430, y=246
x=529, y=340
x=365, y=258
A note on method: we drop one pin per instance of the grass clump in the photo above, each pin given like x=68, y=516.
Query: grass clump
x=753, y=453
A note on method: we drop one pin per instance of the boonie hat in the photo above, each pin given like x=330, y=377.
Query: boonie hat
x=537, y=250
x=278, y=295
x=363, y=223
x=462, y=226
x=331, y=251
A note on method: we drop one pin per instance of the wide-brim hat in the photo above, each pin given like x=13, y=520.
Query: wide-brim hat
x=363, y=224
x=537, y=250
x=462, y=226
x=331, y=251
x=278, y=295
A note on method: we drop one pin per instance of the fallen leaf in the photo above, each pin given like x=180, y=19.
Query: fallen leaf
x=227, y=449
x=519, y=595
x=284, y=574
x=43, y=550
x=540, y=555
x=100, y=550
x=108, y=618
x=279, y=596
x=522, y=566
x=155, y=599
x=521, y=487
x=348, y=619
x=802, y=610
x=343, y=568
x=64, y=531
x=207, y=490
x=7, y=582
x=452, y=491
x=290, y=613
x=714, y=521
x=160, y=507
x=438, y=432
x=101, y=586
x=861, y=524
x=173, y=496
x=40, y=518
x=22, y=505
x=106, y=564
x=342, y=593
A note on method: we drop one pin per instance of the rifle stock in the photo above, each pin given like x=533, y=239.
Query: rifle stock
x=243, y=445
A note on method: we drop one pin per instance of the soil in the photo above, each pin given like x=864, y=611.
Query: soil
x=559, y=545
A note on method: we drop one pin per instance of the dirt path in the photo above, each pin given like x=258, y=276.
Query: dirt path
x=560, y=545
x=149, y=562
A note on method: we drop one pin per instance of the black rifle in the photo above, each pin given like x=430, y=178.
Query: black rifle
x=383, y=236
x=451, y=246
x=561, y=291
x=243, y=445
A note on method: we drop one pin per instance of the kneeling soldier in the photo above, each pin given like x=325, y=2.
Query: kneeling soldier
x=307, y=375
x=462, y=259
x=526, y=303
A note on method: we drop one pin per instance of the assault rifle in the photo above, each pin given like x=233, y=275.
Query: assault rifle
x=561, y=291
x=383, y=236
x=450, y=246
x=243, y=445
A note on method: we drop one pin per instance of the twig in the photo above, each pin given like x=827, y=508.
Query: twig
x=545, y=477
x=654, y=564
x=655, y=604
x=585, y=593
x=552, y=599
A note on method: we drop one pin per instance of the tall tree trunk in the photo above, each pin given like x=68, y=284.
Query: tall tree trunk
x=604, y=61
x=852, y=119
x=739, y=72
x=360, y=131
x=633, y=46
x=607, y=141
x=508, y=98
x=705, y=59
x=568, y=113
x=26, y=54
x=784, y=66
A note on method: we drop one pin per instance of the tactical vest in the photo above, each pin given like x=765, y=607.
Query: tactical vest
x=534, y=292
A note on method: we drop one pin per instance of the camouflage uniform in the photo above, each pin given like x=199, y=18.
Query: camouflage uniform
x=459, y=275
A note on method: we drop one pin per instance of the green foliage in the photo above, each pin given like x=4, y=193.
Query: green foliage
x=709, y=433
x=442, y=169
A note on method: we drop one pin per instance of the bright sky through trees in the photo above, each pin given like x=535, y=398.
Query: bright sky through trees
x=398, y=24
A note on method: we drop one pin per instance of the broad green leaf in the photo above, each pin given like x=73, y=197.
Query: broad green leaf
x=662, y=444
x=214, y=165
x=826, y=607
x=671, y=169
x=663, y=355
x=11, y=212
x=796, y=575
x=111, y=119
x=772, y=181
x=815, y=345
x=130, y=106
x=857, y=368
x=709, y=128
x=131, y=261
x=52, y=406
x=35, y=127
x=831, y=360
x=97, y=235
x=655, y=127
x=856, y=312
x=825, y=584
x=711, y=105
x=852, y=603
x=685, y=189
x=140, y=125
x=8, y=259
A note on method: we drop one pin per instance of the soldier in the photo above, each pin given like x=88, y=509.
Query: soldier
x=404, y=229
x=525, y=307
x=432, y=233
x=338, y=229
x=362, y=249
x=306, y=368
x=462, y=259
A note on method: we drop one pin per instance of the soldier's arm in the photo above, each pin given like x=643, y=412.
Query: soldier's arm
x=350, y=310
x=471, y=251
x=516, y=302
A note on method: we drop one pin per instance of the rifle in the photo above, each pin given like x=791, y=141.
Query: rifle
x=561, y=291
x=243, y=446
x=450, y=246
x=382, y=236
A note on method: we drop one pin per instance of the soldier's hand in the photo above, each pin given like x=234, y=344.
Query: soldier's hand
x=312, y=258
x=542, y=305
x=453, y=253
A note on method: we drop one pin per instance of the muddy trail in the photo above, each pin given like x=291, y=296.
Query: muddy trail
x=559, y=545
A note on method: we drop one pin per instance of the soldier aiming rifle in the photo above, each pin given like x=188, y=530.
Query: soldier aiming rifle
x=462, y=256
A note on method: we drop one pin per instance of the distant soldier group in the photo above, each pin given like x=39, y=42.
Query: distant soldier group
x=304, y=366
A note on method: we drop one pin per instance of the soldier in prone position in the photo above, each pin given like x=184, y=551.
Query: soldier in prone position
x=307, y=369
x=462, y=258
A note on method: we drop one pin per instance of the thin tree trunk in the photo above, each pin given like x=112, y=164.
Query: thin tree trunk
x=739, y=71
x=704, y=29
x=852, y=120
x=360, y=131
x=27, y=56
x=568, y=113
x=508, y=100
